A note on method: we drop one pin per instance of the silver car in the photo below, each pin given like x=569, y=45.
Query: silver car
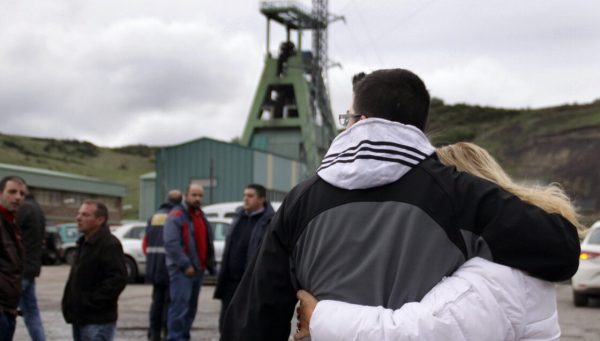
x=221, y=228
x=586, y=282
x=130, y=235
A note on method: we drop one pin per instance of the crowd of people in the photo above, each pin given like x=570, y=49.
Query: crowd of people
x=391, y=239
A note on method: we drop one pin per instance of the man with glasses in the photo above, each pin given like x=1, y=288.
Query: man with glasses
x=383, y=220
x=345, y=118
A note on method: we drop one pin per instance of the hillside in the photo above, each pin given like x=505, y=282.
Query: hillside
x=558, y=144
x=120, y=165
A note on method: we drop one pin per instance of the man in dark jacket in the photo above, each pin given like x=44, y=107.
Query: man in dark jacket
x=242, y=244
x=156, y=270
x=189, y=253
x=32, y=222
x=12, y=193
x=97, y=277
x=383, y=220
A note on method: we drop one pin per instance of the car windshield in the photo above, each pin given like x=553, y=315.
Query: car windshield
x=595, y=237
x=220, y=230
x=136, y=232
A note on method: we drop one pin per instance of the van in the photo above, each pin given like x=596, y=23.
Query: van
x=226, y=210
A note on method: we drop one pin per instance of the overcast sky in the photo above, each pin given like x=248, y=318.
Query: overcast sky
x=164, y=72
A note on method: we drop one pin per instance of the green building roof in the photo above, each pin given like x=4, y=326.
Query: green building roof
x=48, y=179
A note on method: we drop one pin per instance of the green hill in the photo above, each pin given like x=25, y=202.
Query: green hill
x=121, y=165
x=557, y=144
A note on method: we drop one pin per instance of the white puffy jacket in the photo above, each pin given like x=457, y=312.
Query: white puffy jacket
x=480, y=301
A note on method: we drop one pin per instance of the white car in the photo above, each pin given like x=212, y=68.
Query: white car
x=228, y=209
x=131, y=235
x=221, y=228
x=586, y=281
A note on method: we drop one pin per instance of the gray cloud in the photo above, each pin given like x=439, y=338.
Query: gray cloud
x=161, y=72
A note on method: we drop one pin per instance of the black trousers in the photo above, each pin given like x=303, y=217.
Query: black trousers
x=158, y=311
x=229, y=288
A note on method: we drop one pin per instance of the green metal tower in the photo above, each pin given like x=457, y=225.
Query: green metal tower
x=291, y=113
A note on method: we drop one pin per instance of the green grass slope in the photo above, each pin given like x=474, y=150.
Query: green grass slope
x=120, y=165
x=557, y=144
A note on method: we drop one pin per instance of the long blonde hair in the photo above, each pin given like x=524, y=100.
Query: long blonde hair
x=470, y=158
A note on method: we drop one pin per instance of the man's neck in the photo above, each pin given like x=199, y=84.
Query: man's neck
x=89, y=234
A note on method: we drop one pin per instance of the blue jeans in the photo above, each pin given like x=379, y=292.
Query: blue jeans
x=94, y=332
x=7, y=326
x=184, y=292
x=31, y=313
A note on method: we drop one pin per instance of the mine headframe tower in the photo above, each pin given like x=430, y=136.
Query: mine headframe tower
x=291, y=112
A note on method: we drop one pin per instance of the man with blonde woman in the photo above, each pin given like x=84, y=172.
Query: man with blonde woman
x=383, y=221
x=481, y=300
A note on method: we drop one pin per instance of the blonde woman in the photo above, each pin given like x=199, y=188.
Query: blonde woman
x=482, y=300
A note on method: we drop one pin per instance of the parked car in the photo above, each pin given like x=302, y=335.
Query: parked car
x=221, y=228
x=586, y=282
x=131, y=235
x=224, y=210
x=52, y=252
x=227, y=209
x=68, y=234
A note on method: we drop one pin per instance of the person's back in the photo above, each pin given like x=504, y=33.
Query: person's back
x=153, y=246
x=32, y=221
x=390, y=243
x=383, y=221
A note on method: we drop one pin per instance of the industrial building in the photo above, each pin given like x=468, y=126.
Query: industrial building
x=60, y=194
x=224, y=169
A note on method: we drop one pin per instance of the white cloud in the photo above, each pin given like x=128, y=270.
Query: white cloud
x=162, y=72
x=484, y=80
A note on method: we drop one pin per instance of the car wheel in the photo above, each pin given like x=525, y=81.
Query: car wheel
x=132, y=271
x=70, y=256
x=580, y=300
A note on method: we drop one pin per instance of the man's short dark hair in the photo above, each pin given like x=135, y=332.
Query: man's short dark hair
x=261, y=191
x=13, y=178
x=101, y=210
x=395, y=94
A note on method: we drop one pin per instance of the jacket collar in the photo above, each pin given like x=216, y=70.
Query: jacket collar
x=95, y=237
x=8, y=215
x=373, y=152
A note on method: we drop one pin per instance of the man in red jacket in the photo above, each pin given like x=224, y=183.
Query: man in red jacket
x=12, y=193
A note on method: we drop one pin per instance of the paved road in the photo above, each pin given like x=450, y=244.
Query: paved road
x=133, y=310
x=577, y=324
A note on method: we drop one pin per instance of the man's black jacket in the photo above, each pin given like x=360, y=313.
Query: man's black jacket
x=97, y=278
x=32, y=222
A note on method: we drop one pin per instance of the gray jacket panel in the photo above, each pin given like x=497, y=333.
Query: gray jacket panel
x=331, y=263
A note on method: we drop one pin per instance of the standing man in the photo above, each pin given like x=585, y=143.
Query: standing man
x=189, y=251
x=383, y=220
x=32, y=222
x=97, y=278
x=12, y=193
x=242, y=244
x=156, y=270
